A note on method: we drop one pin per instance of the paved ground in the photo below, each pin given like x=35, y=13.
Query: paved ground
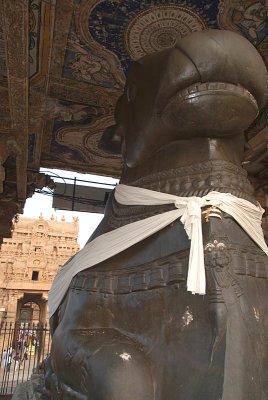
x=10, y=379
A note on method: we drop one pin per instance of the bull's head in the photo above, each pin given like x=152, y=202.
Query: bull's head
x=212, y=84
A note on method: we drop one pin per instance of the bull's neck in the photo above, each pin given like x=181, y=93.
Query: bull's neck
x=183, y=153
x=193, y=168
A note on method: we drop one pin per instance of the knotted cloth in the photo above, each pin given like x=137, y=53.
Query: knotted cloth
x=188, y=209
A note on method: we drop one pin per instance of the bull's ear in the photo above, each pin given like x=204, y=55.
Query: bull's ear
x=110, y=141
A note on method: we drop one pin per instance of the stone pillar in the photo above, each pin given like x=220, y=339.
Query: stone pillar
x=44, y=308
x=12, y=305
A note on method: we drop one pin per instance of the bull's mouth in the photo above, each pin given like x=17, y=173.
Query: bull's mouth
x=214, y=88
x=217, y=108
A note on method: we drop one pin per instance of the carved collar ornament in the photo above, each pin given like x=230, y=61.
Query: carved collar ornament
x=188, y=209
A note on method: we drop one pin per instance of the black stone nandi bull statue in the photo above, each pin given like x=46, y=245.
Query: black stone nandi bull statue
x=127, y=328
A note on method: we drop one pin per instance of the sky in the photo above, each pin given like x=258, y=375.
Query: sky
x=40, y=203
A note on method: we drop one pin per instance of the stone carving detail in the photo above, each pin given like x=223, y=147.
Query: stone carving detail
x=149, y=276
x=218, y=261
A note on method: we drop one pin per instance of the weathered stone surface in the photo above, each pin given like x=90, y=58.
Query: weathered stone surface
x=33, y=389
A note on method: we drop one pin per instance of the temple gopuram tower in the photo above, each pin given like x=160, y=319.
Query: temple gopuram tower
x=29, y=260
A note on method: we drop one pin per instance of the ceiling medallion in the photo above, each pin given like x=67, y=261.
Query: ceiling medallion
x=158, y=28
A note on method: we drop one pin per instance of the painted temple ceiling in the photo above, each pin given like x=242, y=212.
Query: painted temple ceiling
x=63, y=65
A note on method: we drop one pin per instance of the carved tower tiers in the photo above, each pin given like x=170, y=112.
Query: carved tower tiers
x=29, y=261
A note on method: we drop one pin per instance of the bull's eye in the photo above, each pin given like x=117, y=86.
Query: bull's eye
x=131, y=91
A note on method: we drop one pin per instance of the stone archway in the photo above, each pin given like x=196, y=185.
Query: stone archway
x=31, y=309
x=30, y=330
x=30, y=313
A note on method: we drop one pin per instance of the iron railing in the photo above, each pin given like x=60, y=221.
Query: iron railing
x=23, y=347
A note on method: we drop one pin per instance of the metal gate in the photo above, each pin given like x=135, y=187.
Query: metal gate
x=23, y=347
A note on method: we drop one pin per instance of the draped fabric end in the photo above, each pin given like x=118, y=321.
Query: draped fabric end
x=188, y=210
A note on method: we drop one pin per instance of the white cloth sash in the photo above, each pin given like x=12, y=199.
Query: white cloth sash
x=188, y=209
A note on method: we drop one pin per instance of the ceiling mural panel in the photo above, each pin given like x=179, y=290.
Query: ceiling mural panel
x=34, y=35
x=75, y=132
x=158, y=28
x=260, y=123
x=86, y=143
x=84, y=64
x=133, y=28
x=249, y=17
